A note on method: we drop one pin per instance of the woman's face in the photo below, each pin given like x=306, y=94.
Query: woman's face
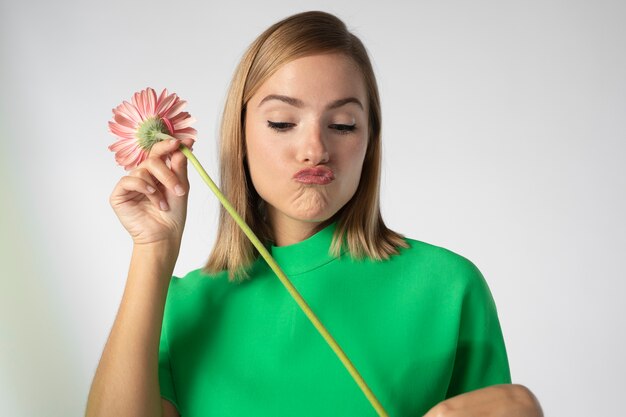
x=306, y=132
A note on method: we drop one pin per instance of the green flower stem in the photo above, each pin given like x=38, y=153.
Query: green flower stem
x=286, y=282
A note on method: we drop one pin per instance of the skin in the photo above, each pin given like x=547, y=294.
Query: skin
x=316, y=135
x=151, y=203
x=511, y=400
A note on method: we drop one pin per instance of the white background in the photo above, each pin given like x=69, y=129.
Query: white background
x=504, y=135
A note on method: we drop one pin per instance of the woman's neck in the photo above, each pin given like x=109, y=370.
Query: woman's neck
x=288, y=231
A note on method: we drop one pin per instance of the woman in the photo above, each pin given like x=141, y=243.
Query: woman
x=300, y=161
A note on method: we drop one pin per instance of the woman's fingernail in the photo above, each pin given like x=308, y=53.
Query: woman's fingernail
x=164, y=205
x=150, y=189
x=179, y=190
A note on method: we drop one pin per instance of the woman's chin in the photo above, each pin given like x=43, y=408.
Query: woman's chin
x=307, y=216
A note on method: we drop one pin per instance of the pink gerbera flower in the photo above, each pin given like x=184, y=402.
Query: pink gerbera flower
x=145, y=121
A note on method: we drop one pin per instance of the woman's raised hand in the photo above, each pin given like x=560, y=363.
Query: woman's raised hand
x=151, y=201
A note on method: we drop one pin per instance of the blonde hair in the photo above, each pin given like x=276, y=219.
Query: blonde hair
x=360, y=227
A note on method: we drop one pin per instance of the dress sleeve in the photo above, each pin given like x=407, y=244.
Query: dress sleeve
x=166, y=381
x=481, y=358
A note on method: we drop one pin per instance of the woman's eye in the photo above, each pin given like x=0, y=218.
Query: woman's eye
x=343, y=129
x=279, y=126
x=284, y=126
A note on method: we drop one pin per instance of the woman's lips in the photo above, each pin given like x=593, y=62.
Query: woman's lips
x=318, y=175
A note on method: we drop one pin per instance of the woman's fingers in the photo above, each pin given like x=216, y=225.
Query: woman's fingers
x=150, y=200
x=153, y=192
x=130, y=187
x=154, y=171
x=157, y=167
x=179, y=162
x=188, y=143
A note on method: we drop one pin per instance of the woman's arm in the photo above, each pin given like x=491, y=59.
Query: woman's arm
x=151, y=203
x=507, y=400
x=127, y=381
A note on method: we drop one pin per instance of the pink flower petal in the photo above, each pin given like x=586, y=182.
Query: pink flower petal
x=121, y=131
x=121, y=109
x=189, y=130
x=150, y=102
x=161, y=97
x=129, y=152
x=168, y=124
x=143, y=103
x=127, y=162
x=135, y=102
x=124, y=156
x=165, y=105
x=186, y=122
x=123, y=144
x=179, y=135
x=138, y=101
x=135, y=159
x=130, y=159
x=175, y=109
x=180, y=116
x=124, y=120
x=133, y=111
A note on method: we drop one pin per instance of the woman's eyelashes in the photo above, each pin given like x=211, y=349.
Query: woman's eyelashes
x=280, y=126
x=284, y=126
x=343, y=129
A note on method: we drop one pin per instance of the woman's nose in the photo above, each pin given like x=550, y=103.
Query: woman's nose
x=313, y=149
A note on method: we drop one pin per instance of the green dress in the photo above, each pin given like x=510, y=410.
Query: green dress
x=419, y=327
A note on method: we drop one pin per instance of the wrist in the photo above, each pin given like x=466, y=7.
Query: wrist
x=163, y=252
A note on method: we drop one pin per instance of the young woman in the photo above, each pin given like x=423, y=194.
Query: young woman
x=300, y=161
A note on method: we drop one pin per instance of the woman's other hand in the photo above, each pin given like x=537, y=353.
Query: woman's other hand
x=509, y=400
x=151, y=201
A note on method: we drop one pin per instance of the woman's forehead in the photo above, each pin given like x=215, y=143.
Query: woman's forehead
x=313, y=80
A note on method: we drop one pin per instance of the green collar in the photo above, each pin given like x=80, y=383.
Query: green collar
x=307, y=255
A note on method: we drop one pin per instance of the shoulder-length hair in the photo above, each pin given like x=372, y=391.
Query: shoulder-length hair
x=360, y=227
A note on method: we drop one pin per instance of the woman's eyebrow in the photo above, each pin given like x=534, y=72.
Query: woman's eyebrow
x=299, y=103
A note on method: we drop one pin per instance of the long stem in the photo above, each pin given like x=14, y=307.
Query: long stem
x=286, y=282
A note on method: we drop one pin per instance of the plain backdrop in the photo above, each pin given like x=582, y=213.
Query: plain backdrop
x=504, y=135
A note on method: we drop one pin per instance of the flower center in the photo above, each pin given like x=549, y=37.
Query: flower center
x=150, y=132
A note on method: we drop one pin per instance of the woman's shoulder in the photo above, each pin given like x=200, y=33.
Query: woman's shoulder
x=438, y=260
x=199, y=279
x=198, y=274
x=424, y=249
x=195, y=281
x=194, y=291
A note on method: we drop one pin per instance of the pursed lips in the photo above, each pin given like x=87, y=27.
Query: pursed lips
x=317, y=175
